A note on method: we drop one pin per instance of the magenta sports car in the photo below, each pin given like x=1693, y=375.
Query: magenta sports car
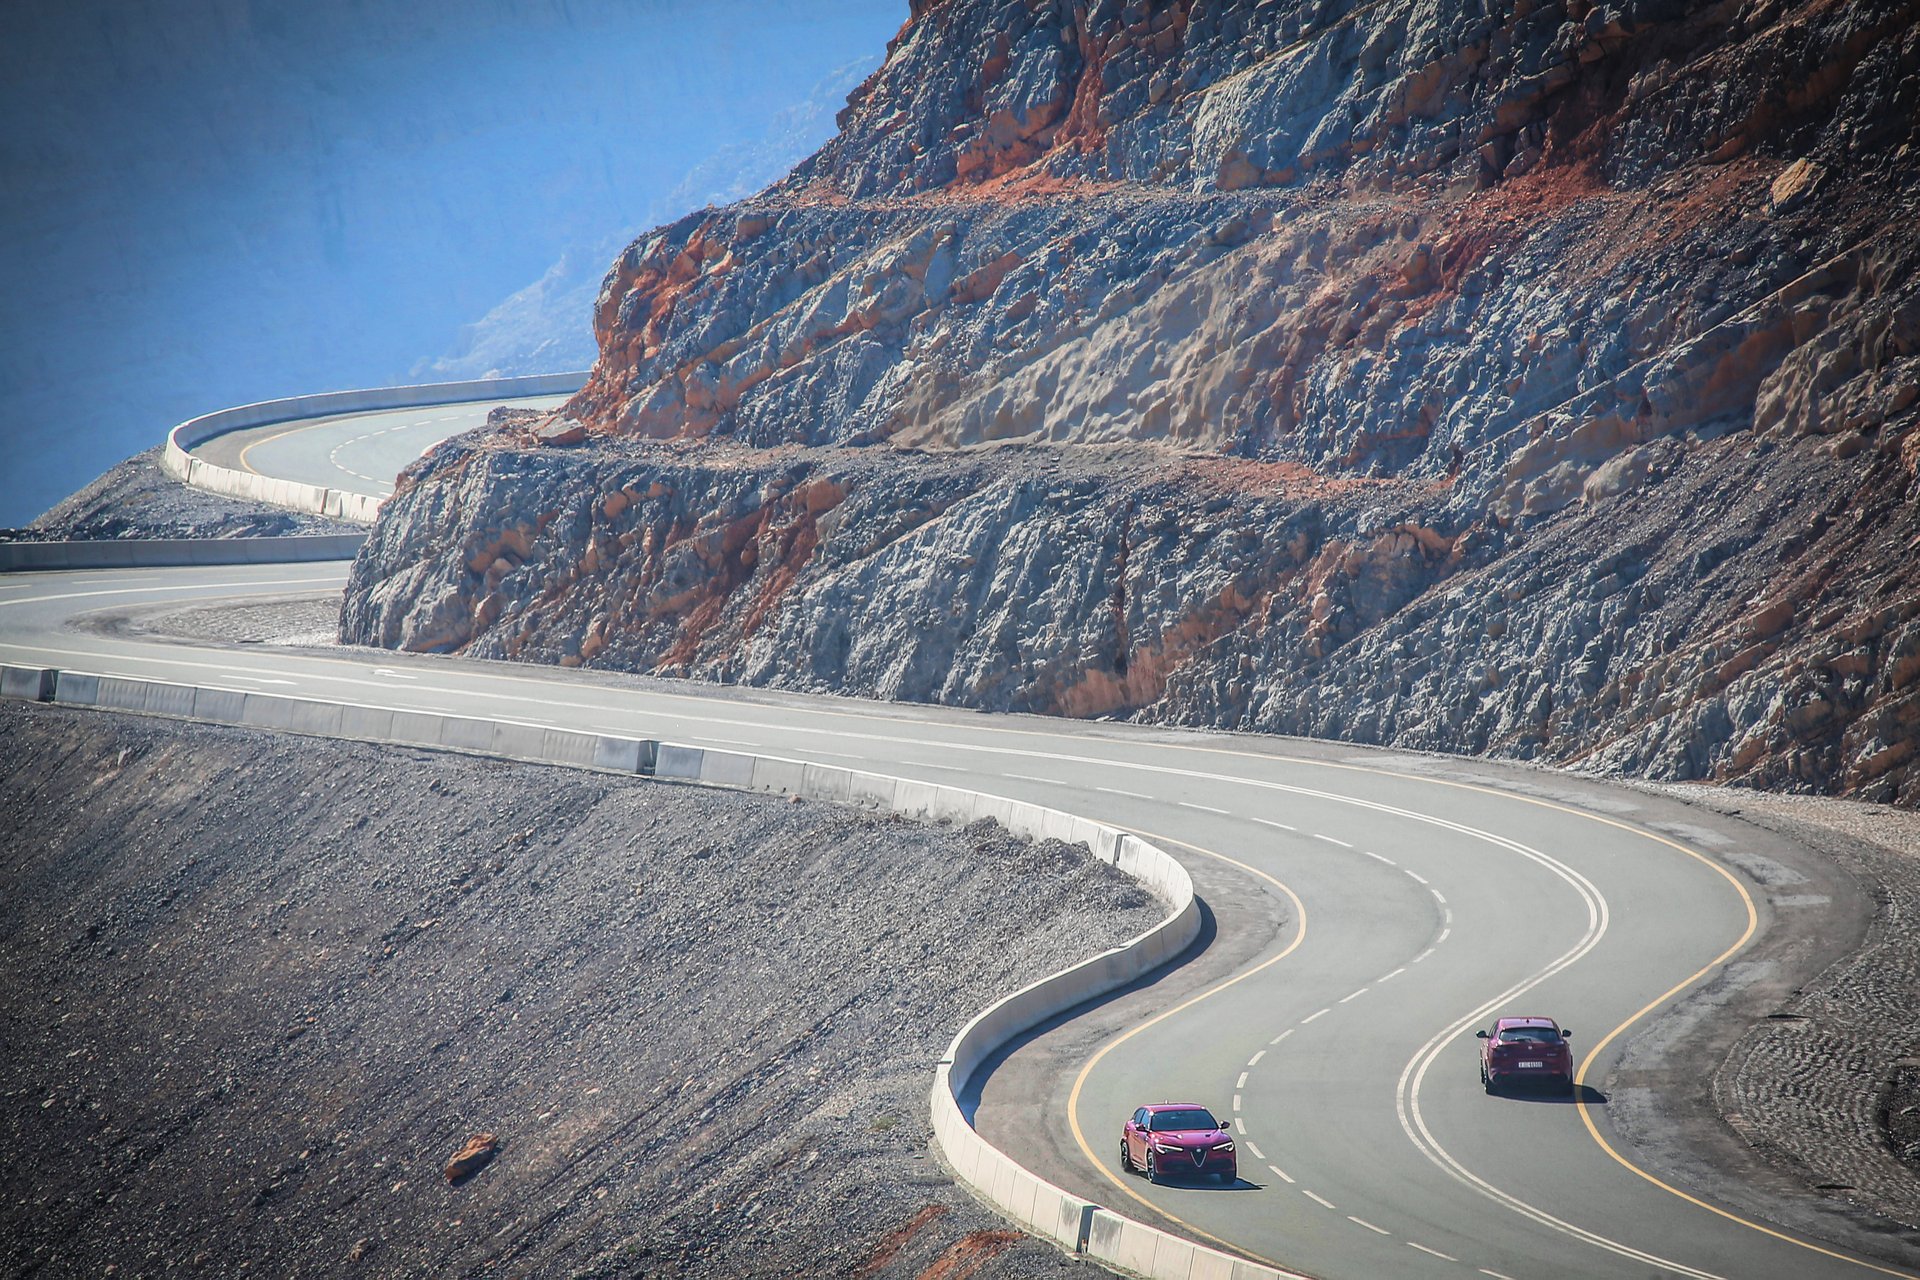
x=1177, y=1140
x=1525, y=1049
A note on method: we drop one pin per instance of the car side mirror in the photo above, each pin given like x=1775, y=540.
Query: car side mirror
x=1483, y=1035
x=1565, y=1034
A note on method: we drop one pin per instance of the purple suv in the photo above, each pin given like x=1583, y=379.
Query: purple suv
x=1176, y=1140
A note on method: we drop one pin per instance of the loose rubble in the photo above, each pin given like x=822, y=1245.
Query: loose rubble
x=261, y=986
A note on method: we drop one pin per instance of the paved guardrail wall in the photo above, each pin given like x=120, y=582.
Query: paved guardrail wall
x=314, y=499
x=1075, y=1224
x=125, y=553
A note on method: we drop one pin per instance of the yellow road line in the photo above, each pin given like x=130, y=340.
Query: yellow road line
x=1586, y=1114
x=279, y=435
x=1073, y=1098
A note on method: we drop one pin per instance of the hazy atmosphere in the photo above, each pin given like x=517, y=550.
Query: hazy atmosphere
x=210, y=203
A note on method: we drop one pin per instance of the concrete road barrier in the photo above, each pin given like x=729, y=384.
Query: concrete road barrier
x=627, y=755
x=181, y=463
x=35, y=684
x=1036, y=1205
x=128, y=553
x=226, y=706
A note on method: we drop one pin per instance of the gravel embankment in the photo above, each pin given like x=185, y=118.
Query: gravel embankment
x=138, y=499
x=260, y=989
x=1819, y=1086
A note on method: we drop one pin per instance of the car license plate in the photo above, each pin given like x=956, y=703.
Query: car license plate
x=1533, y=1065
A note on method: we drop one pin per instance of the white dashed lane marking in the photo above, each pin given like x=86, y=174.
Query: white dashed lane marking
x=1279, y=1173
x=1380, y=857
x=1204, y=808
x=1356, y=995
x=1321, y=1200
x=1417, y=876
x=1369, y=1226
x=1258, y=1154
x=1254, y=1061
x=1269, y=822
x=1243, y=1081
x=1116, y=791
x=1330, y=840
x=1310, y=1017
x=1415, y=1244
x=1282, y=1036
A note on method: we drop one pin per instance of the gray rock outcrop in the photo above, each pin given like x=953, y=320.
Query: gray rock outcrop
x=1538, y=380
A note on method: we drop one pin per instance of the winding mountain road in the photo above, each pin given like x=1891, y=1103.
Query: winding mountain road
x=1367, y=911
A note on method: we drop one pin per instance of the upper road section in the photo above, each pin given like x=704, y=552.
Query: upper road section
x=337, y=453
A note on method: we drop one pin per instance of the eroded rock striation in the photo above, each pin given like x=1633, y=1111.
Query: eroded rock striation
x=1540, y=379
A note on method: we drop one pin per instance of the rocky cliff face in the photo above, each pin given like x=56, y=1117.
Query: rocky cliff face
x=1538, y=379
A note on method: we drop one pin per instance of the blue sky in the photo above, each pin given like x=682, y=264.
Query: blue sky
x=208, y=202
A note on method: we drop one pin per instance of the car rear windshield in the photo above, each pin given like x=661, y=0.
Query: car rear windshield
x=1538, y=1035
x=1199, y=1118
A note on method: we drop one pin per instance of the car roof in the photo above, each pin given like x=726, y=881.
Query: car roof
x=1176, y=1106
x=1525, y=1022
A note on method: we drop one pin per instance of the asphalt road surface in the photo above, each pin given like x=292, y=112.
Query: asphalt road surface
x=355, y=452
x=1367, y=912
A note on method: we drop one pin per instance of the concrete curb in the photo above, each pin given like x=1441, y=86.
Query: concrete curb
x=315, y=499
x=127, y=553
x=1077, y=1225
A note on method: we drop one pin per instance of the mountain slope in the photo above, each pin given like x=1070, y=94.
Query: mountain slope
x=1539, y=380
